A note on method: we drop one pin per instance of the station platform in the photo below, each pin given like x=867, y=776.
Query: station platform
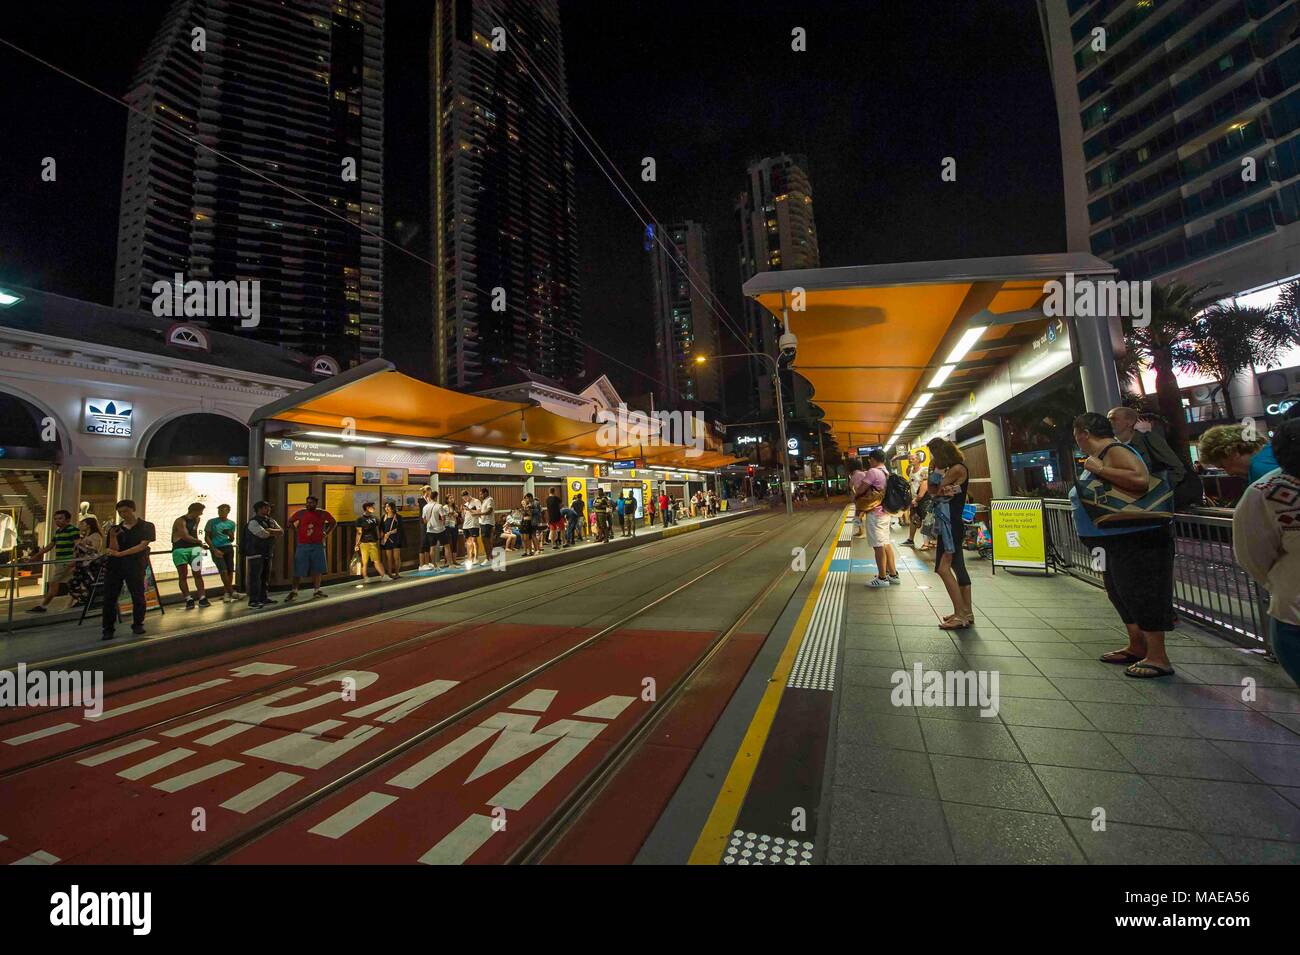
x=61, y=638
x=723, y=696
x=1079, y=764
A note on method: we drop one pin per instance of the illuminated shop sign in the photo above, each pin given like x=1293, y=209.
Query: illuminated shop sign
x=1283, y=406
x=107, y=416
x=747, y=439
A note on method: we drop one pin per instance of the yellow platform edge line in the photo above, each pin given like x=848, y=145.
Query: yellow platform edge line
x=712, y=841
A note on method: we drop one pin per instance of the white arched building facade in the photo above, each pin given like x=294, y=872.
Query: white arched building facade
x=98, y=404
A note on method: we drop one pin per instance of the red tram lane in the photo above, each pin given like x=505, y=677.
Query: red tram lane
x=478, y=790
x=179, y=790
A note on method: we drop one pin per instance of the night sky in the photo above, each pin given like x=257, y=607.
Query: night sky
x=884, y=92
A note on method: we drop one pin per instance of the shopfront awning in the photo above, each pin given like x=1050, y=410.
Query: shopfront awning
x=875, y=339
x=376, y=399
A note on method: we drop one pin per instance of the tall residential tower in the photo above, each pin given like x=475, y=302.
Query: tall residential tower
x=504, y=225
x=1180, y=136
x=290, y=91
x=775, y=219
x=685, y=322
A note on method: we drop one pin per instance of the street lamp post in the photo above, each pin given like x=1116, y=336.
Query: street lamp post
x=780, y=416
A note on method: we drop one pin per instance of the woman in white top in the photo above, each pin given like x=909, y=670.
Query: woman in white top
x=1266, y=542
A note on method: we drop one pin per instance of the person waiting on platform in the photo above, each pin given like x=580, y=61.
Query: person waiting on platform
x=313, y=526
x=1236, y=450
x=128, y=555
x=877, y=520
x=58, y=575
x=1266, y=542
x=187, y=554
x=947, y=483
x=219, y=533
x=1137, y=559
x=390, y=540
x=86, y=559
x=259, y=549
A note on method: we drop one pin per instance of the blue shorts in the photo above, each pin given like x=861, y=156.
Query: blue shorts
x=308, y=560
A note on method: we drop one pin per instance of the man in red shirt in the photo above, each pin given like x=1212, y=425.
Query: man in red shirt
x=663, y=508
x=312, y=526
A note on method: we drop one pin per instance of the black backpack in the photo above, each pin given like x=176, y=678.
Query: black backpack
x=898, y=494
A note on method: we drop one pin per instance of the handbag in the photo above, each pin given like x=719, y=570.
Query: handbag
x=355, y=567
x=1109, y=506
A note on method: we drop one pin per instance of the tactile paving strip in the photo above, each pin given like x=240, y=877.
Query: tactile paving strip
x=751, y=848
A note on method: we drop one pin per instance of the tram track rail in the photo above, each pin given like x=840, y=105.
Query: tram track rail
x=558, y=822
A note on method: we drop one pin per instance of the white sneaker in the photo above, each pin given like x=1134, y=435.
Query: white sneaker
x=877, y=582
x=426, y=567
x=896, y=580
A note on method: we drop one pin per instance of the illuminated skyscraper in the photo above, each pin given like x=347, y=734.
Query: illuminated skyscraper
x=504, y=226
x=292, y=91
x=775, y=220
x=685, y=324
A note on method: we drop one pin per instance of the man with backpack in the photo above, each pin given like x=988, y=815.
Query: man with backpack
x=878, y=520
x=1161, y=460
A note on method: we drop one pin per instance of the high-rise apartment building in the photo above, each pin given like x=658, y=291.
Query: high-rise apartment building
x=504, y=223
x=777, y=231
x=289, y=91
x=685, y=321
x=1180, y=135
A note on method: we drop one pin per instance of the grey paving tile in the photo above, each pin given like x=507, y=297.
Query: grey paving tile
x=1149, y=720
x=1274, y=700
x=1177, y=756
x=1203, y=696
x=982, y=835
x=854, y=628
x=1126, y=797
x=1040, y=636
x=952, y=660
x=1125, y=844
x=989, y=782
x=1061, y=714
x=868, y=676
x=936, y=642
x=1240, y=850
x=977, y=644
x=1098, y=691
x=880, y=769
x=880, y=729
x=1241, y=725
x=859, y=699
x=986, y=740
x=1085, y=669
x=1223, y=675
x=1033, y=687
x=863, y=642
x=1242, y=809
x=1290, y=793
x=873, y=658
x=1085, y=749
x=1019, y=666
x=1052, y=651
x=1274, y=763
x=874, y=828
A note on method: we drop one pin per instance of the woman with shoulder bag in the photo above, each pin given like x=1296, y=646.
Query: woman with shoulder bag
x=1123, y=516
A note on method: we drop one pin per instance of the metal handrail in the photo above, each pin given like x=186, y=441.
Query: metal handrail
x=13, y=567
x=1209, y=585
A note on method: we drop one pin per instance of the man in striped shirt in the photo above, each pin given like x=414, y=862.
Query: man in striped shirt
x=58, y=575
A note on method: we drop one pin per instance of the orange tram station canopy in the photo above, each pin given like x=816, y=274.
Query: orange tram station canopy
x=874, y=339
x=376, y=400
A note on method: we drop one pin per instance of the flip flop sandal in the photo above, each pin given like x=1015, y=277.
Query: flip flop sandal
x=1120, y=656
x=1147, y=671
x=958, y=625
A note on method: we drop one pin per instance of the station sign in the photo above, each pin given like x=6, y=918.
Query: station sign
x=305, y=454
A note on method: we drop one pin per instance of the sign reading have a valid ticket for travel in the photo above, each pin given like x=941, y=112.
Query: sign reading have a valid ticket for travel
x=1017, y=531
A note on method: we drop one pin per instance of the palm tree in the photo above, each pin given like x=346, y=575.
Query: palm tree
x=1228, y=339
x=1165, y=344
x=1288, y=309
